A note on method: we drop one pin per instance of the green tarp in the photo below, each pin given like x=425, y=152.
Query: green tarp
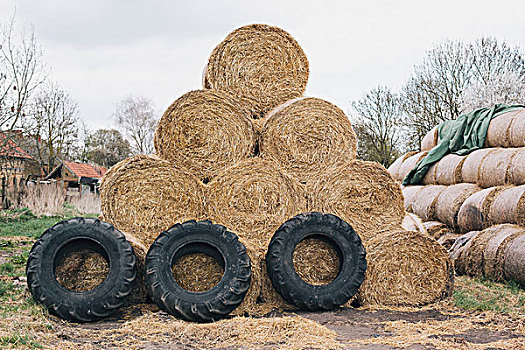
x=460, y=136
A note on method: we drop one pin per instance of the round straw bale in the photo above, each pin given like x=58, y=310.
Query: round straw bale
x=448, y=240
x=410, y=163
x=269, y=299
x=253, y=198
x=261, y=65
x=430, y=140
x=475, y=262
x=514, y=266
x=412, y=222
x=517, y=168
x=517, y=130
x=448, y=169
x=361, y=193
x=470, y=168
x=146, y=195
x=405, y=268
x=436, y=229
x=424, y=203
x=431, y=175
x=306, y=136
x=508, y=206
x=494, y=168
x=493, y=255
x=409, y=195
x=498, y=132
x=460, y=250
x=450, y=200
x=139, y=293
x=473, y=214
x=205, y=131
x=393, y=169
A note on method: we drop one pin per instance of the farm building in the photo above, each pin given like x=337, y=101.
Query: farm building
x=16, y=164
x=77, y=177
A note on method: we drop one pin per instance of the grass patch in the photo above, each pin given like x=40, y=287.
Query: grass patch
x=481, y=294
x=18, y=339
x=7, y=268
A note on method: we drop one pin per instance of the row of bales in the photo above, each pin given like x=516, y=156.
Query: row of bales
x=249, y=151
x=475, y=204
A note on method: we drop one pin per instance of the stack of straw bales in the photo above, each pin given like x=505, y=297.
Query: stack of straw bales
x=483, y=191
x=250, y=152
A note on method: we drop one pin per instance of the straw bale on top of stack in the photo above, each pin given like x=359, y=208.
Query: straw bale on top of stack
x=257, y=69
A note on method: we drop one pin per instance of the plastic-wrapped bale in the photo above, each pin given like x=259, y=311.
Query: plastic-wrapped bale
x=508, y=206
x=448, y=169
x=517, y=130
x=516, y=175
x=146, y=195
x=459, y=252
x=430, y=140
x=473, y=214
x=514, y=267
x=498, y=132
x=448, y=240
x=409, y=164
x=393, y=169
x=253, y=198
x=494, y=168
x=494, y=252
x=436, y=229
x=263, y=66
x=450, y=200
x=412, y=222
x=305, y=136
x=424, y=204
x=363, y=194
x=205, y=131
x=470, y=168
x=409, y=195
x=405, y=268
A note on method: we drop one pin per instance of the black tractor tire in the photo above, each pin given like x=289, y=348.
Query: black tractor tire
x=193, y=237
x=347, y=244
x=67, y=237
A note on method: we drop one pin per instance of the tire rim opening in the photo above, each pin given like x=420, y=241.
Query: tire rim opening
x=198, y=267
x=81, y=265
x=316, y=260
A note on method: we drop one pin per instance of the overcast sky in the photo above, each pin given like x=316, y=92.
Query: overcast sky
x=103, y=50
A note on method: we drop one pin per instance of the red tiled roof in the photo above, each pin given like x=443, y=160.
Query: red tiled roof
x=85, y=170
x=11, y=149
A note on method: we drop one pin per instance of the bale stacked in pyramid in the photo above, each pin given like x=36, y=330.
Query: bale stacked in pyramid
x=250, y=152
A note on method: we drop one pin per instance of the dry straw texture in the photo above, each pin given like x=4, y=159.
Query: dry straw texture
x=508, y=206
x=475, y=261
x=409, y=164
x=494, y=168
x=316, y=261
x=517, y=168
x=253, y=198
x=361, y=193
x=515, y=259
x=517, y=130
x=145, y=195
x=494, y=253
x=474, y=212
x=448, y=169
x=393, y=169
x=82, y=271
x=470, y=168
x=263, y=66
x=436, y=229
x=405, y=268
x=412, y=222
x=306, y=136
x=448, y=240
x=498, y=132
x=205, y=131
x=430, y=140
x=409, y=195
x=459, y=252
x=450, y=200
x=424, y=203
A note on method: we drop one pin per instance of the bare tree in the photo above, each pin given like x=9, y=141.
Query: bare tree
x=135, y=116
x=107, y=147
x=377, y=122
x=22, y=71
x=53, y=126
